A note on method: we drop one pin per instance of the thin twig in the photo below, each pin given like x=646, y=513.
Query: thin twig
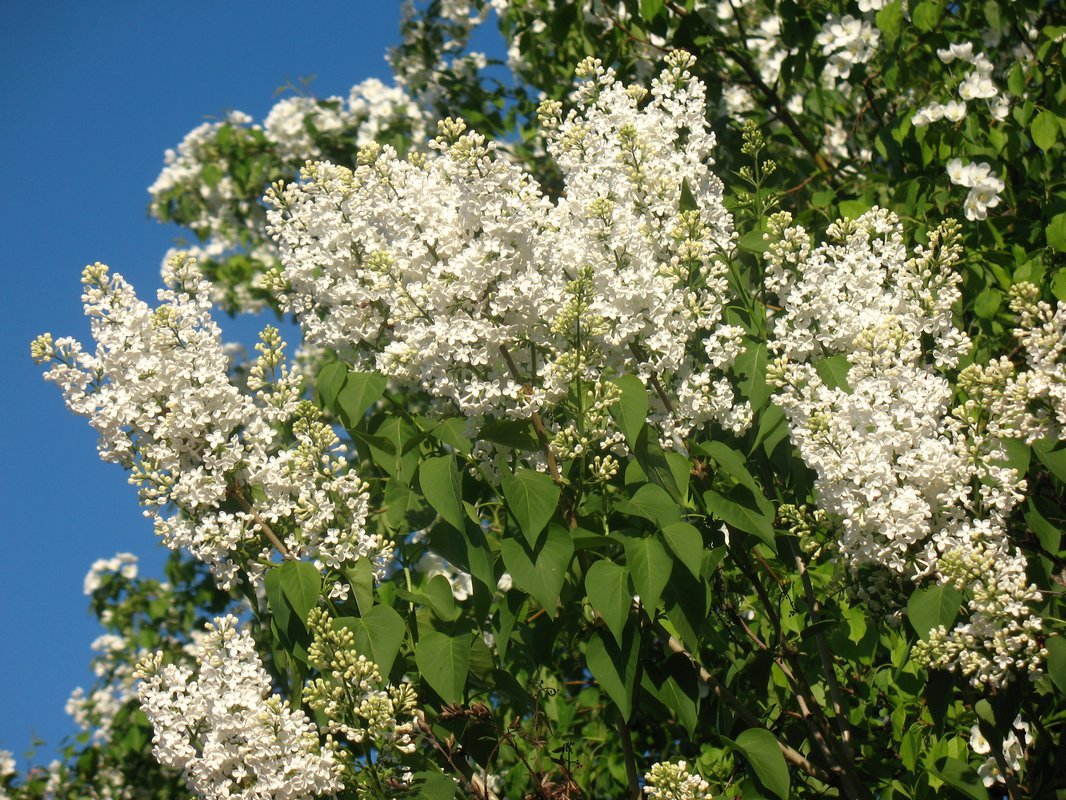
x=238, y=495
x=794, y=757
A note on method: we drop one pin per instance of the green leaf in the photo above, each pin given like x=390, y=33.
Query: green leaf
x=650, y=565
x=933, y=606
x=654, y=463
x=761, y=749
x=532, y=498
x=687, y=544
x=330, y=381
x=631, y=410
x=960, y=775
x=378, y=635
x=607, y=587
x=440, y=598
x=688, y=200
x=671, y=695
x=1056, y=662
x=1049, y=535
x=926, y=15
x=834, y=371
x=360, y=391
x=729, y=461
x=740, y=509
x=1058, y=282
x=1056, y=234
x=444, y=662
x=1052, y=454
x=433, y=786
x=651, y=502
x=301, y=584
x=541, y=571
x=988, y=302
x=361, y=577
x=1045, y=130
x=752, y=365
x=439, y=479
x=853, y=209
x=649, y=10
x=890, y=21
x=614, y=667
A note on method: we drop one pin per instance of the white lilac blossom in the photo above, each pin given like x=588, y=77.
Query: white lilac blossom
x=225, y=730
x=125, y=564
x=673, y=781
x=846, y=41
x=976, y=84
x=1031, y=404
x=984, y=187
x=215, y=468
x=197, y=186
x=455, y=274
x=356, y=701
x=918, y=485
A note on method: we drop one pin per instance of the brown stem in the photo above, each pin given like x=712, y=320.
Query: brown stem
x=641, y=356
x=835, y=695
x=542, y=437
x=819, y=725
x=632, y=776
x=238, y=494
x=794, y=757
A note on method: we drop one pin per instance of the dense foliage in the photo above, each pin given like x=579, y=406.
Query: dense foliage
x=683, y=418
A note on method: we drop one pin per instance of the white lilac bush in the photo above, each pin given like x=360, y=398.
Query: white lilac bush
x=669, y=423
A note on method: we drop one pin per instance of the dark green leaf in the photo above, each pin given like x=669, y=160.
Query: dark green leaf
x=1056, y=234
x=761, y=749
x=650, y=565
x=961, y=776
x=1056, y=662
x=1045, y=130
x=360, y=391
x=890, y=20
x=532, y=498
x=330, y=381
x=433, y=786
x=439, y=479
x=652, y=503
x=301, y=584
x=933, y=606
x=444, y=661
x=926, y=15
x=1052, y=454
x=741, y=510
x=378, y=635
x=687, y=544
x=540, y=572
x=439, y=597
x=834, y=371
x=988, y=302
x=688, y=200
x=607, y=587
x=631, y=410
x=614, y=667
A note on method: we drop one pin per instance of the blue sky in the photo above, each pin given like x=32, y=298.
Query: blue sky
x=93, y=93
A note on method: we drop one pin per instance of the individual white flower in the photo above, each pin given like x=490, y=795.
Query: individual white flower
x=989, y=773
x=978, y=743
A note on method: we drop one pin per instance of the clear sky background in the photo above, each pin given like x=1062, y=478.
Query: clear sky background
x=91, y=94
